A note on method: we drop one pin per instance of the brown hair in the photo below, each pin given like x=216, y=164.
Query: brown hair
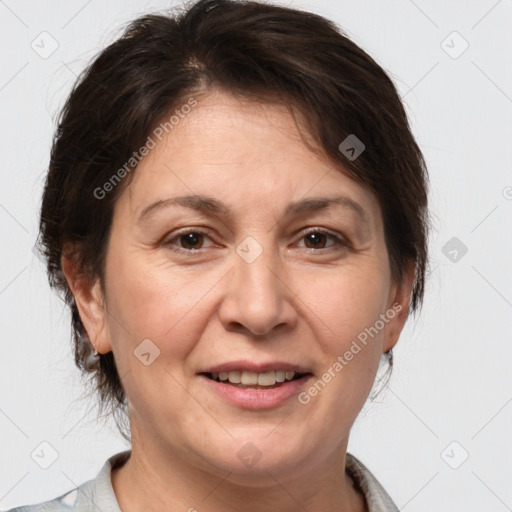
x=255, y=50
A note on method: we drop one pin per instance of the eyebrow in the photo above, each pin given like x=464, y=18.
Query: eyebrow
x=210, y=206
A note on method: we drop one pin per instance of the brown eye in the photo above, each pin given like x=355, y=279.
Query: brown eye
x=187, y=241
x=191, y=240
x=317, y=239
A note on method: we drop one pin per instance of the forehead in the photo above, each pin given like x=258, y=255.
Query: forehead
x=242, y=152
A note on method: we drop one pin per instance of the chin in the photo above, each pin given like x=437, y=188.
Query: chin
x=252, y=460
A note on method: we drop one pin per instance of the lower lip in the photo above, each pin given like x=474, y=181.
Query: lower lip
x=257, y=398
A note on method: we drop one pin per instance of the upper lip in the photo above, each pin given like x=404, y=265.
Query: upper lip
x=251, y=366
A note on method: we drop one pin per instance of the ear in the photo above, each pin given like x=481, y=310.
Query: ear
x=399, y=302
x=90, y=303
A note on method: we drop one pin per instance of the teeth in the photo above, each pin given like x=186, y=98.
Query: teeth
x=235, y=377
x=254, y=379
x=267, y=379
x=249, y=378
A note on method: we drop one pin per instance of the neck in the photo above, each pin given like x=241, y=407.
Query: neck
x=155, y=480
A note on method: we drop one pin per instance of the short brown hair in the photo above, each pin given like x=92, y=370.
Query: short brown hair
x=256, y=50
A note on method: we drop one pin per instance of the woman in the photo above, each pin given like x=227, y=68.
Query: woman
x=236, y=213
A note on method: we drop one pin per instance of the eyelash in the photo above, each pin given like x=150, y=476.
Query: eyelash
x=340, y=241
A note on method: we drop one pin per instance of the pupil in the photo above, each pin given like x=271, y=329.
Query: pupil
x=192, y=238
x=315, y=236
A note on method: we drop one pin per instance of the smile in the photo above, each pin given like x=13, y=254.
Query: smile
x=273, y=392
x=246, y=379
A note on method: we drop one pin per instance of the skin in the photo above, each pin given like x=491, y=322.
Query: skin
x=297, y=302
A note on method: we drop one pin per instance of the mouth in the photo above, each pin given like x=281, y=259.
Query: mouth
x=252, y=385
x=253, y=380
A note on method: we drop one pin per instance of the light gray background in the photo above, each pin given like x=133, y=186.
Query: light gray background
x=453, y=376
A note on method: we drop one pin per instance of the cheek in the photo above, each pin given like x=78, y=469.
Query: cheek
x=344, y=313
x=166, y=307
x=345, y=305
x=160, y=303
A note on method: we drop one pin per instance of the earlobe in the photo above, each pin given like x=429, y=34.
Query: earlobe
x=90, y=303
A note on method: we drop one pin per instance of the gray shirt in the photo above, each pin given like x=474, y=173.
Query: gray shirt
x=97, y=494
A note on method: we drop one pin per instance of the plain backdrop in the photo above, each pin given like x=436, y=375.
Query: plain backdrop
x=438, y=437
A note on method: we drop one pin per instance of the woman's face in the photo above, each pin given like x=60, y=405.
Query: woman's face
x=233, y=279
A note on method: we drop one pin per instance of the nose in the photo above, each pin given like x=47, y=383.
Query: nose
x=259, y=296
